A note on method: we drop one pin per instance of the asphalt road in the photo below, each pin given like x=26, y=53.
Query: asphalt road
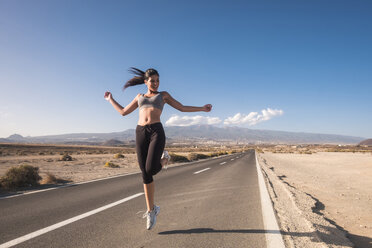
x=218, y=206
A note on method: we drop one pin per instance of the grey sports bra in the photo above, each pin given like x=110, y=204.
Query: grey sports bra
x=151, y=102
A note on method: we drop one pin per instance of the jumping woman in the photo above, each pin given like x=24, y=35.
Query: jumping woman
x=150, y=136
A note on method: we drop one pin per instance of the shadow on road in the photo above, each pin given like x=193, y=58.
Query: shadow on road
x=364, y=242
x=211, y=230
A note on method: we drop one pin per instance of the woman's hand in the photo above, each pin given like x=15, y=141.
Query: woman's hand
x=108, y=95
x=207, y=107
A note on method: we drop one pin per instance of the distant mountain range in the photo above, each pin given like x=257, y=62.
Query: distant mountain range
x=367, y=142
x=192, y=135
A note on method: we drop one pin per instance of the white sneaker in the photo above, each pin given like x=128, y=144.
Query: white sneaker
x=151, y=217
x=166, y=156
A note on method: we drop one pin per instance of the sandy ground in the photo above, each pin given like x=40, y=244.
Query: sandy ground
x=83, y=167
x=327, y=191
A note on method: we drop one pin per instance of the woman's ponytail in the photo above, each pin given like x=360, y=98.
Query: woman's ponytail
x=140, y=76
x=138, y=79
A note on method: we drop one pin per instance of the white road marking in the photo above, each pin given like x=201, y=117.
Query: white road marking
x=195, y=173
x=67, y=185
x=36, y=191
x=232, y=159
x=222, y=163
x=66, y=222
x=273, y=238
x=73, y=184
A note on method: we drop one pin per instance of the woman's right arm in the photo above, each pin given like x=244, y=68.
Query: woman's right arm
x=123, y=111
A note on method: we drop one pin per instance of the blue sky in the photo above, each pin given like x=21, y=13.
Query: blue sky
x=306, y=64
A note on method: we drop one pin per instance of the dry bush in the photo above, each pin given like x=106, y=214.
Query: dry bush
x=21, y=176
x=307, y=152
x=202, y=156
x=258, y=150
x=175, y=158
x=196, y=156
x=111, y=165
x=51, y=179
x=66, y=157
x=213, y=154
x=118, y=155
x=192, y=156
x=21, y=153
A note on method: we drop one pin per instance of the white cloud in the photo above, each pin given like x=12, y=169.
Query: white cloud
x=253, y=117
x=191, y=120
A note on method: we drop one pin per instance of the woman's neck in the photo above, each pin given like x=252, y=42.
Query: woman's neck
x=149, y=92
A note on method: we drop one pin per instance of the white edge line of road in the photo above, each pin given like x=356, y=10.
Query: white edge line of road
x=67, y=185
x=272, y=232
x=73, y=184
x=65, y=222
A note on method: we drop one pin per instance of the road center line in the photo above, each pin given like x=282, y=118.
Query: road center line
x=196, y=173
x=66, y=222
x=222, y=163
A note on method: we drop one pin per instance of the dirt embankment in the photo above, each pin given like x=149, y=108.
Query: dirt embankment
x=322, y=199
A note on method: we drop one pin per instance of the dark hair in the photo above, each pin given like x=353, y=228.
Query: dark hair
x=140, y=76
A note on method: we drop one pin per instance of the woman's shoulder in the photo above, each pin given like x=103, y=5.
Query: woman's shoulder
x=165, y=96
x=164, y=93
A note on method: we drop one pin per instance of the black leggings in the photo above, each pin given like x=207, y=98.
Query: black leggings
x=150, y=142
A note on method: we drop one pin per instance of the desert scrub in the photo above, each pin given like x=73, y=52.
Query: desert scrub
x=216, y=154
x=258, y=150
x=66, y=157
x=196, y=156
x=175, y=158
x=111, y=165
x=118, y=155
x=51, y=179
x=213, y=154
x=21, y=153
x=21, y=176
x=306, y=152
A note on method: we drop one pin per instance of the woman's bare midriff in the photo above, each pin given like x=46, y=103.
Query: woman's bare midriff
x=149, y=116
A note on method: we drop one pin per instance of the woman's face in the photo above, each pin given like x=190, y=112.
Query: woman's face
x=152, y=83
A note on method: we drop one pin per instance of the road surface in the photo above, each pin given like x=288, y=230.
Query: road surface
x=212, y=203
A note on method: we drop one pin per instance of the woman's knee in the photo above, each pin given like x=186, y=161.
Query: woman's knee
x=147, y=178
x=150, y=171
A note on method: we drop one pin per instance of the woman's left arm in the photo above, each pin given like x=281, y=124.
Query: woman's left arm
x=177, y=105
